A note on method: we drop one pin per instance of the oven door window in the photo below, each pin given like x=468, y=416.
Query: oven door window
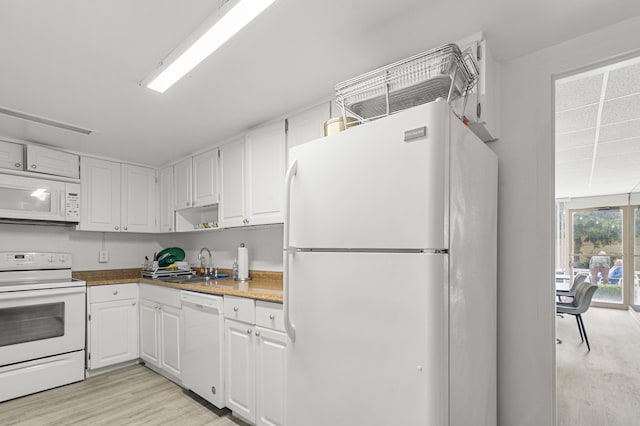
x=30, y=323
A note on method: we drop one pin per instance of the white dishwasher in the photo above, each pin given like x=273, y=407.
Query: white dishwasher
x=203, y=346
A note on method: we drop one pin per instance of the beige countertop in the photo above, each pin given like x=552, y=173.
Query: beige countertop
x=264, y=285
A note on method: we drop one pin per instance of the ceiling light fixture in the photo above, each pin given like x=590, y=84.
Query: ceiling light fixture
x=42, y=120
x=209, y=36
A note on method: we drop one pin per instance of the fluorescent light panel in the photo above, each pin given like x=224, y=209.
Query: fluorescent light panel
x=232, y=22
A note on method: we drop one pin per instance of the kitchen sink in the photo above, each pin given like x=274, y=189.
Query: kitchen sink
x=194, y=279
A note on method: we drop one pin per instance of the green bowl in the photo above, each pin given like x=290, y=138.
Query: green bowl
x=170, y=255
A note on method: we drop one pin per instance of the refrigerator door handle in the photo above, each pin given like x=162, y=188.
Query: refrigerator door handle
x=288, y=325
x=291, y=172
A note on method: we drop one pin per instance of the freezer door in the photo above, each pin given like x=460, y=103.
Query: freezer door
x=378, y=185
x=371, y=339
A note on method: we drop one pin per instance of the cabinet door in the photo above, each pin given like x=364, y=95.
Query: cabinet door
x=149, y=332
x=138, y=196
x=182, y=190
x=240, y=369
x=50, y=161
x=100, y=195
x=170, y=339
x=165, y=196
x=271, y=351
x=11, y=156
x=114, y=333
x=205, y=178
x=308, y=125
x=265, y=174
x=232, y=184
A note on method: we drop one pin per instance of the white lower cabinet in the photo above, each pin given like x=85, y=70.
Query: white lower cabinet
x=170, y=339
x=255, y=360
x=113, y=324
x=160, y=328
x=240, y=372
x=271, y=350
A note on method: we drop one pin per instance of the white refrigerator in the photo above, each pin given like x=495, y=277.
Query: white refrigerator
x=390, y=275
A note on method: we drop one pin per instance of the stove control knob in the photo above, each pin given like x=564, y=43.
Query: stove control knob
x=61, y=258
x=51, y=259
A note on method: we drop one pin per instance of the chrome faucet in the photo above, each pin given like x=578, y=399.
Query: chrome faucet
x=207, y=272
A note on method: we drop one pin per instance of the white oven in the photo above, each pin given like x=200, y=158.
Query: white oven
x=25, y=198
x=42, y=323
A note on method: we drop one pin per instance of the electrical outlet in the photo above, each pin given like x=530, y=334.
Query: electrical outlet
x=104, y=256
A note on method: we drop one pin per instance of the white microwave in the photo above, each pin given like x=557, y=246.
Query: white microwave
x=26, y=199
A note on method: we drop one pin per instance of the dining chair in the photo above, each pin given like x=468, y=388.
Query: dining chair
x=579, y=278
x=579, y=305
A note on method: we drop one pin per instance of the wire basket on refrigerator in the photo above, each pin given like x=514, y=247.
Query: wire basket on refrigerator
x=444, y=72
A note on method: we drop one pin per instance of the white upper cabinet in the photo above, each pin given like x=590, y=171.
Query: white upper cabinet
x=117, y=197
x=308, y=125
x=205, y=178
x=49, y=161
x=182, y=175
x=232, y=184
x=11, y=156
x=165, y=196
x=138, y=199
x=100, y=195
x=265, y=174
x=252, y=178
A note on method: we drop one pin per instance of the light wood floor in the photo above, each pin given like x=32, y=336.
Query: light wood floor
x=600, y=387
x=133, y=395
x=596, y=388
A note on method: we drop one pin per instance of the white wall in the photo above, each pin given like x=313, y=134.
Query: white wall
x=128, y=250
x=125, y=250
x=526, y=317
x=264, y=245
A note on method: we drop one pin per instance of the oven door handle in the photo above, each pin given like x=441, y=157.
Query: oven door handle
x=16, y=295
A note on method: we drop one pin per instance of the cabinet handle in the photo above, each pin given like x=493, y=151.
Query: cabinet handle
x=272, y=317
x=33, y=166
x=248, y=331
x=17, y=165
x=235, y=309
x=117, y=227
x=125, y=228
x=187, y=204
x=257, y=334
x=115, y=292
x=133, y=303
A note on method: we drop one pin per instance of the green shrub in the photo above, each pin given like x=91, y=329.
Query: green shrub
x=610, y=292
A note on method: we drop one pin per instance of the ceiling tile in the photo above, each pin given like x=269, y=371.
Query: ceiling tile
x=576, y=119
x=624, y=147
x=619, y=131
x=621, y=109
x=577, y=93
x=623, y=81
x=576, y=139
x=611, y=168
x=576, y=154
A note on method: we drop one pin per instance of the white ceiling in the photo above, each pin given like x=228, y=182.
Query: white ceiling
x=80, y=61
x=598, y=131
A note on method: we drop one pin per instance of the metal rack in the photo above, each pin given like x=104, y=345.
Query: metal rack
x=160, y=272
x=444, y=72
